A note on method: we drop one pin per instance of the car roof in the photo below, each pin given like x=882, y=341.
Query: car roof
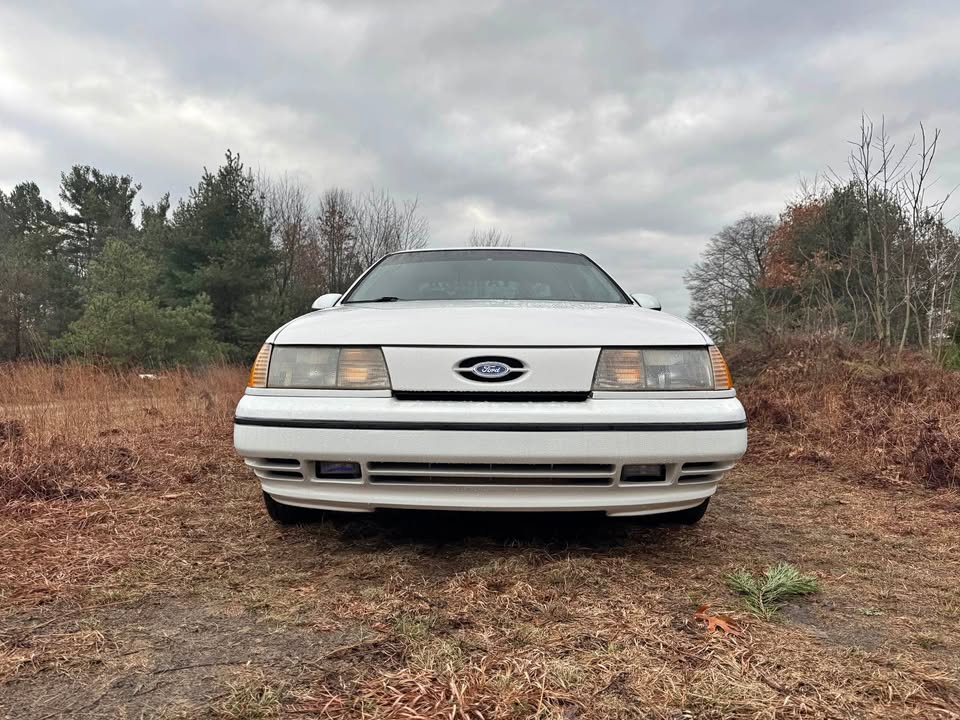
x=486, y=249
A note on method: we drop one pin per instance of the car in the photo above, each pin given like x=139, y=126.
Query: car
x=489, y=379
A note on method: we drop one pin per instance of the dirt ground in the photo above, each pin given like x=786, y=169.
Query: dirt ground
x=170, y=594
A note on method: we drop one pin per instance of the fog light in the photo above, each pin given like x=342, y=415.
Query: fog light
x=643, y=473
x=338, y=470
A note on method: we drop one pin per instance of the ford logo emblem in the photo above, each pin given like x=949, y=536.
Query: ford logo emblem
x=491, y=369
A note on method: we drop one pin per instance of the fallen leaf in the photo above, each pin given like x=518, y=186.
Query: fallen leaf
x=724, y=623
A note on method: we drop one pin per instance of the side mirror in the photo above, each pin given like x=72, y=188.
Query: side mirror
x=647, y=301
x=325, y=301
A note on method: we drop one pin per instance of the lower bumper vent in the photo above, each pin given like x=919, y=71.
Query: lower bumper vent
x=709, y=471
x=276, y=468
x=490, y=473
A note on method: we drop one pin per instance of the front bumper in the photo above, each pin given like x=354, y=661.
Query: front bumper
x=491, y=455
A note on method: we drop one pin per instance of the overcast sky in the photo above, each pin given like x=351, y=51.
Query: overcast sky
x=630, y=130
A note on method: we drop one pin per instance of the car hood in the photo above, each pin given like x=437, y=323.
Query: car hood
x=481, y=323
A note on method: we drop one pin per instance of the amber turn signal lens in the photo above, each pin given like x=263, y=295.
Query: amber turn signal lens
x=721, y=373
x=258, y=373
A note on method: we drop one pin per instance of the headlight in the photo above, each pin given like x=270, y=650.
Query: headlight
x=661, y=369
x=332, y=368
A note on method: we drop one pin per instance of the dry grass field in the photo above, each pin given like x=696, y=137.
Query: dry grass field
x=140, y=578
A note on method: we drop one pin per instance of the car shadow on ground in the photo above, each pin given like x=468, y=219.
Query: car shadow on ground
x=470, y=529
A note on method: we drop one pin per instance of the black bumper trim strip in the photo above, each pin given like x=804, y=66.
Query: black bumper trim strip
x=492, y=427
x=494, y=396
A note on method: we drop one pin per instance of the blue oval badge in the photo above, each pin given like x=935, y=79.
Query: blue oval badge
x=491, y=369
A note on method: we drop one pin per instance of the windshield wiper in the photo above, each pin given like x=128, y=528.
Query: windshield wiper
x=385, y=298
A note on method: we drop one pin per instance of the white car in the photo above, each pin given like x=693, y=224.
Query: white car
x=489, y=379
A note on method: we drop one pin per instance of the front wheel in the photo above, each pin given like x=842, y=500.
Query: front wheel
x=289, y=514
x=690, y=516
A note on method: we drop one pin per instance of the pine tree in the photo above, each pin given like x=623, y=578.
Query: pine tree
x=99, y=206
x=219, y=245
x=124, y=322
x=38, y=292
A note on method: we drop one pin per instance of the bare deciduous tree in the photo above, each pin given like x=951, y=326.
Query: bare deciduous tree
x=877, y=171
x=336, y=235
x=931, y=257
x=490, y=237
x=729, y=272
x=382, y=225
x=354, y=232
x=293, y=233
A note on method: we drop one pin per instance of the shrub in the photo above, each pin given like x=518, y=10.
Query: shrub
x=890, y=421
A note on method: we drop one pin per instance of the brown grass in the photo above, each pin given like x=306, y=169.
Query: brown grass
x=139, y=576
x=74, y=430
x=827, y=403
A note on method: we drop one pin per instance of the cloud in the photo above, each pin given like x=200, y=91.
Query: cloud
x=632, y=131
x=17, y=149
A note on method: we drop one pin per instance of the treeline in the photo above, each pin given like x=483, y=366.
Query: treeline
x=867, y=256
x=101, y=278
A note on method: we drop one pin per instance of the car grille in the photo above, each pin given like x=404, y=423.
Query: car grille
x=494, y=396
x=518, y=474
x=491, y=473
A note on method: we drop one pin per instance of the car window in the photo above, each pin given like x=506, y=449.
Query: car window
x=487, y=275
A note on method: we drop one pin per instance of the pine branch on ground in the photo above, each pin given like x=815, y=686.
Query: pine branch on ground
x=766, y=594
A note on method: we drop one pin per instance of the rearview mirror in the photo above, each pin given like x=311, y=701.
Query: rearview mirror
x=325, y=301
x=649, y=302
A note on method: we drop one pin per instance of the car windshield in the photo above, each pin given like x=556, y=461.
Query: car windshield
x=486, y=275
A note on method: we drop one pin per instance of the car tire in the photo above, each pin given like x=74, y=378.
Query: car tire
x=690, y=516
x=289, y=514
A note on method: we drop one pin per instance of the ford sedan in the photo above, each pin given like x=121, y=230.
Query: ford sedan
x=494, y=379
